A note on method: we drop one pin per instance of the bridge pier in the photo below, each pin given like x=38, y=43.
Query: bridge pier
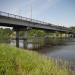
x=16, y=29
x=17, y=38
x=25, y=39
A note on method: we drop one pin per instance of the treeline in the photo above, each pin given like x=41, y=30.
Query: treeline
x=5, y=34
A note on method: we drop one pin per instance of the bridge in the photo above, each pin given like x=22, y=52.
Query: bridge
x=22, y=23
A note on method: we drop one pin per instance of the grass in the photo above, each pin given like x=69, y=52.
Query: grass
x=15, y=61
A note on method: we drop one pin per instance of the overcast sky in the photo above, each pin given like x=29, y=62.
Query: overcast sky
x=60, y=12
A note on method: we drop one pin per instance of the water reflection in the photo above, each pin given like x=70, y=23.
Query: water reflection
x=29, y=45
x=13, y=42
x=66, y=51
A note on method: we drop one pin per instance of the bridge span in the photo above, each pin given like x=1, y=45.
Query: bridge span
x=16, y=21
x=22, y=23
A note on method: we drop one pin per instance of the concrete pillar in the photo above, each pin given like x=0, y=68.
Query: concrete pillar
x=17, y=38
x=25, y=43
x=25, y=39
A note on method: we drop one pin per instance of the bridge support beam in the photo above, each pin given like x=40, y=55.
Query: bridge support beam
x=25, y=39
x=16, y=29
x=17, y=38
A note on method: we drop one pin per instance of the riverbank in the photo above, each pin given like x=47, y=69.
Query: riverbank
x=25, y=62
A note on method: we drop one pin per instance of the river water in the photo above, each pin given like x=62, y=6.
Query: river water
x=66, y=51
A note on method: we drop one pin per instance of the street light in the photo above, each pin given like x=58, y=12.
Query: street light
x=31, y=9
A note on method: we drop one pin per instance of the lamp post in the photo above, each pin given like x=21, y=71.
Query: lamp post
x=31, y=9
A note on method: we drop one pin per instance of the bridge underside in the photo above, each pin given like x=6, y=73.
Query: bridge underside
x=20, y=27
x=20, y=23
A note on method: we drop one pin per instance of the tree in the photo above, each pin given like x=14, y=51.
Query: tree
x=38, y=33
x=5, y=34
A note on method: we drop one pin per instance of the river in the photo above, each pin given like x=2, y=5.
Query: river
x=66, y=51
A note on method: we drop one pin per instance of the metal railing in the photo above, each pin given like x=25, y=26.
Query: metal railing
x=20, y=17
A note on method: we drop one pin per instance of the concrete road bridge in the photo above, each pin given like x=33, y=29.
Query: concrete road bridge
x=22, y=23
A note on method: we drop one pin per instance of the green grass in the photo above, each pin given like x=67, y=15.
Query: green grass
x=15, y=61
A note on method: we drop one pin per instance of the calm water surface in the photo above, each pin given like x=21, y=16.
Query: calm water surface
x=66, y=52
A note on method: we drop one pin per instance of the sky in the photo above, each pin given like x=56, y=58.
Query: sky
x=58, y=12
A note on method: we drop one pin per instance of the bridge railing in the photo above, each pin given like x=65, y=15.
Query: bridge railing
x=31, y=20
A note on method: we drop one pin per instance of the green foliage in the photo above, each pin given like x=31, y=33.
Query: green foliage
x=38, y=33
x=5, y=34
x=14, y=61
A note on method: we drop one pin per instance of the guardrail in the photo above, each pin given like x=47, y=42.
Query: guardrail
x=20, y=17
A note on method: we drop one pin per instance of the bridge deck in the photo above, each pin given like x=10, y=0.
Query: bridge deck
x=12, y=20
